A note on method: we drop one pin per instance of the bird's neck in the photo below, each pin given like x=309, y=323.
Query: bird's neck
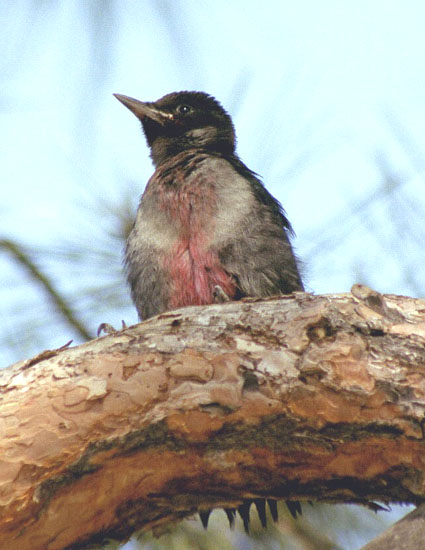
x=164, y=149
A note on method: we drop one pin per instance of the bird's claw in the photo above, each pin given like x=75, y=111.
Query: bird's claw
x=220, y=297
x=109, y=329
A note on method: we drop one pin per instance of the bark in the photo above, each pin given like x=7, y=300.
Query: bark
x=300, y=398
x=406, y=534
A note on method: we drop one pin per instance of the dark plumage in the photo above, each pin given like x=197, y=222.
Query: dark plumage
x=205, y=220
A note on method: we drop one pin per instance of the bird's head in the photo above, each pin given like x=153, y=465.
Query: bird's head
x=181, y=121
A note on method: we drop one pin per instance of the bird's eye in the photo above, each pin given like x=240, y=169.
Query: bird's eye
x=184, y=109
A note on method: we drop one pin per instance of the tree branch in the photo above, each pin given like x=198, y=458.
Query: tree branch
x=299, y=397
x=57, y=299
x=406, y=534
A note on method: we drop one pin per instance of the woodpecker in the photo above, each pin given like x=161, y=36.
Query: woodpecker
x=206, y=227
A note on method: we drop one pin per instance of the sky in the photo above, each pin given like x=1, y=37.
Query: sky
x=328, y=100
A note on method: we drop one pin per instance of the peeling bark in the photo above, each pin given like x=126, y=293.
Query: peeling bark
x=299, y=397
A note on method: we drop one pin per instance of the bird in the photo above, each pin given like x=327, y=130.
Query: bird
x=206, y=229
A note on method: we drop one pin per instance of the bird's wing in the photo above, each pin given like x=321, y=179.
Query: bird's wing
x=259, y=254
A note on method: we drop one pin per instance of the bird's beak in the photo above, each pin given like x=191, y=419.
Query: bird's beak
x=144, y=110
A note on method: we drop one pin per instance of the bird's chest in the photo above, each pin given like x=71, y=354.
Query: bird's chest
x=197, y=198
x=192, y=263
x=189, y=212
x=189, y=207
